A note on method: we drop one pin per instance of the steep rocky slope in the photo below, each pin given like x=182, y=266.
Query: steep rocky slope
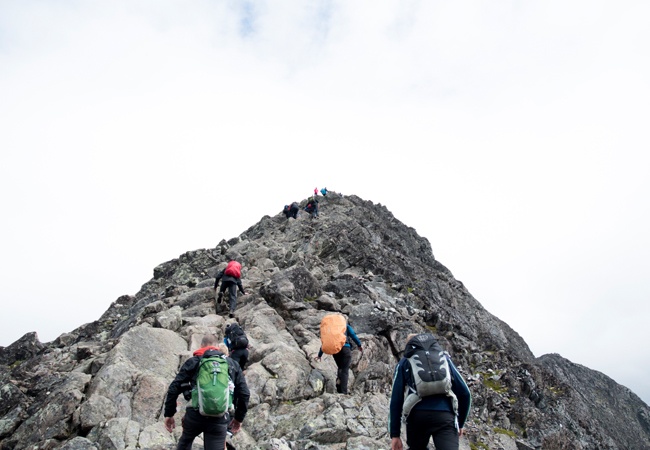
x=102, y=385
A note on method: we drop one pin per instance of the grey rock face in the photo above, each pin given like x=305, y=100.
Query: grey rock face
x=102, y=386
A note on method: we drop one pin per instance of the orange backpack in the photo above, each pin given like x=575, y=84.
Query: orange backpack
x=233, y=269
x=333, y=334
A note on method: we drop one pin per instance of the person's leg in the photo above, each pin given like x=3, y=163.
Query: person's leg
x=232, y=291
x=441, y=425
x=191, y=429
x=445, y=434
x=241, y=356
x=214, y=433
x=343, y=360
x=236, y=355
x=417, y=430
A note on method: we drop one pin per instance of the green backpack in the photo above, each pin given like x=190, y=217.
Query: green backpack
x=213, y=391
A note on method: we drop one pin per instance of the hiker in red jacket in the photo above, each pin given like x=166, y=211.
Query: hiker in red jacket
x=230, y=279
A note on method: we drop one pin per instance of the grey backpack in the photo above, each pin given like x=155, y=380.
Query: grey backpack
x=428, y=364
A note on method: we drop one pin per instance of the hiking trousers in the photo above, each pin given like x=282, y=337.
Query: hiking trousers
x=343, y=360
x=232, y=293
x=241, y=356
x=424, y=424
x=213, y=429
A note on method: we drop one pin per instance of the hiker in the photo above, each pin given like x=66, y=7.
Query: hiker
x=312, y=207
x=315, y=192
x=291, y=210
x=237, y=342
x=230, y=279
x=343, y=358
x=324, y=191
x=214, y=428
x=438, y=407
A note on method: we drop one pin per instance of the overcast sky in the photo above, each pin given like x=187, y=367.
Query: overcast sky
x=512, y=135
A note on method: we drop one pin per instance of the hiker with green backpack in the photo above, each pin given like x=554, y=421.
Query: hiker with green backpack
x=430, y=395
x=217, y=393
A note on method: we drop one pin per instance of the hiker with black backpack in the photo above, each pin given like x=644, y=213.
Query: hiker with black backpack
x=430, y=395
x=237, y=341
x=216, y=388
x=230, y=279
x=291, y=210
x=312, y=207
x=336, y=335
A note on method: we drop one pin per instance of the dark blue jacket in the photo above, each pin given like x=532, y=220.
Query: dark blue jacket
x=403, y=377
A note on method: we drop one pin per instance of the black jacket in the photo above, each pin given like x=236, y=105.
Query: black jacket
x=187, y=374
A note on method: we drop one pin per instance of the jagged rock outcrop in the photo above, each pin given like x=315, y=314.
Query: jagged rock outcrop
x=102, y=385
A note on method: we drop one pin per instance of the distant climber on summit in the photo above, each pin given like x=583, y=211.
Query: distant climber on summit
x=315, y=191
x=324, y=191
x=291, y=210
x=230, y=279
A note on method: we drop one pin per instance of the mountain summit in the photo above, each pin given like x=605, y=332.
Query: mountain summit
x=102, y=386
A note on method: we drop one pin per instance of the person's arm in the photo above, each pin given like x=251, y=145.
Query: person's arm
x=185, y=375
x=217, y=279
x=396, y=403
x=460, y=389
x=354, y=337
x=320, y=353
x=240, y=286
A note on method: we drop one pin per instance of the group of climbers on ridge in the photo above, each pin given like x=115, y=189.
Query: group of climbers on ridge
x=291, y=210
x=433, y=403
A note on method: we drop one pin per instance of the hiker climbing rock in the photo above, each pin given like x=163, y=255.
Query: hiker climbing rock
x=230, y=279
x=324, y=191
x=237, y=341
x=430, y=394
x=312, y=207
x=335, y=336
x=291, y=210
x=210, y=413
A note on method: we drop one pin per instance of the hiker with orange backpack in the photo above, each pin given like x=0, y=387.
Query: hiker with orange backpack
x=230, y=279
x=335, y=335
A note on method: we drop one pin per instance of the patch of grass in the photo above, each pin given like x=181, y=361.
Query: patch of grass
x=15, y=364
x=432, y=329
x=506, y=432
x=310, y=299
x=409, y=290
x=490, y=383
x=495, y=385
x=478, y=445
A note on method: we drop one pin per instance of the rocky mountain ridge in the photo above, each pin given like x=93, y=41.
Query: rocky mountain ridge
x=102, y=385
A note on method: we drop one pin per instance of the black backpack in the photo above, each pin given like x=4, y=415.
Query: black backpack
x=236, y=337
